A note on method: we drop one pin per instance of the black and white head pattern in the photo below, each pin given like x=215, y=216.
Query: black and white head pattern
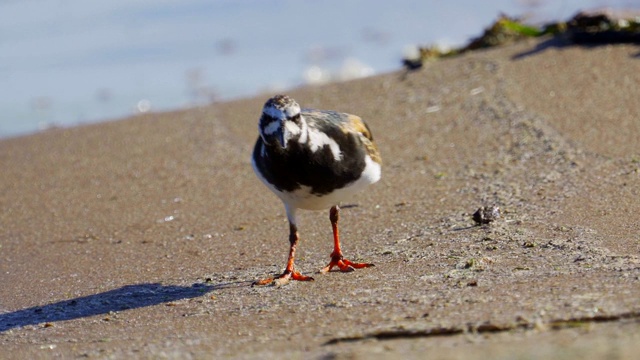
x=281, y=120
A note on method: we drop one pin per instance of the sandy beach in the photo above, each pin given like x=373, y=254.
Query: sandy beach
x=140, y=238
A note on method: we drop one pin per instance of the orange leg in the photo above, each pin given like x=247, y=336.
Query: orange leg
x=289, y=272
x=336, y=256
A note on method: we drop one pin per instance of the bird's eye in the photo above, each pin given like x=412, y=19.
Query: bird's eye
x=295, y=118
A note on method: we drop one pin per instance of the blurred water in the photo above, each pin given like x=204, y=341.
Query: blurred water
x=67, y=62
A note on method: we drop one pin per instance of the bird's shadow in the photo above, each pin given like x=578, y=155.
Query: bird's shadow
x=123, y=298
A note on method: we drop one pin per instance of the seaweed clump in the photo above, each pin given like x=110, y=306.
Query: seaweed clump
x=583, y=29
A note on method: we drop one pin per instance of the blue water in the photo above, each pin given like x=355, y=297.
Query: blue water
x=67, y=62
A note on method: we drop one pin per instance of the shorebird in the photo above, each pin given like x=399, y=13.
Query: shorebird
x=313, y=159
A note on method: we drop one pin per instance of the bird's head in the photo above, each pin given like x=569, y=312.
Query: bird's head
x=280, y=121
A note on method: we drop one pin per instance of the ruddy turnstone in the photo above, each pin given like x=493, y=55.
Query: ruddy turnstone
x=313, y=159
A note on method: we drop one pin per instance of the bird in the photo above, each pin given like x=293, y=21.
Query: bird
x=313, y=160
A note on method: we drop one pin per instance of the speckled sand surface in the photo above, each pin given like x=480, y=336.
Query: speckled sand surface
x=141, y=237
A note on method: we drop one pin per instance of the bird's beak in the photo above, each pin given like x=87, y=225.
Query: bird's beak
x=281, y=136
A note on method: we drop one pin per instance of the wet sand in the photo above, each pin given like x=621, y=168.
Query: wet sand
x=141, y=237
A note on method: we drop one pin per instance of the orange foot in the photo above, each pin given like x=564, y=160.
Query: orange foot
x=343, y=264
x=283, y=279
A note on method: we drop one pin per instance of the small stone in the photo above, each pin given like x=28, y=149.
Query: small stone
x=486, y=215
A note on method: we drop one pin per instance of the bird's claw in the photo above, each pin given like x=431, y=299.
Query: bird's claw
x=283, y=279
x=343, y=265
